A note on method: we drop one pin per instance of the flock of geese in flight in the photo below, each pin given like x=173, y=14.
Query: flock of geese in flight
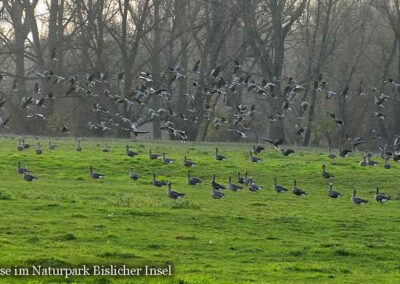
x=114, y=111
x=217, y=189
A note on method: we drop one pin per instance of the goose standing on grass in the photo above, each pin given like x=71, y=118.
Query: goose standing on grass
x=330, y=154
x=254, y=159
x=357, y=200
x=387, y=165
x=371, y=162
x=26, y=145
x=364, y=163
x=130, y=153
x=297, y=191
x=239, y=179
x=38, y=149
x=325, y=174
x=246, y=178
x=153, y=156
x=78, y=147
x=105, y=148
x=232, y=186
x=332, y=193
x=133, y=175
x=219, y=157
x=380, y=197
x=216, y=185
x=20, y=147
x=157, y=183
x=193, y=180
x=174, y=194
x=29, y=177
x=165, y=160
x=287, y=152
x=279, y=188
x=21, y=170
x=187, y=163
x=95, y=175
x=52, y=146
x=257, y=149
x=253, y=187
x=216, y=194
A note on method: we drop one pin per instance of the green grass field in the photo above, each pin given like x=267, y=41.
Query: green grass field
x=67, y=219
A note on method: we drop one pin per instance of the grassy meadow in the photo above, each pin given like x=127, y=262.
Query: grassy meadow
x=67, y=219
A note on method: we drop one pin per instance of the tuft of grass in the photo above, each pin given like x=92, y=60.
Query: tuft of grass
x=184, y=204
x=66, y=237
x=118, y=255
x=342, y=252
x=4, y=195
x=186, y=238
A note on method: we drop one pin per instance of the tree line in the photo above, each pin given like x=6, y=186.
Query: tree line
x=352, y=46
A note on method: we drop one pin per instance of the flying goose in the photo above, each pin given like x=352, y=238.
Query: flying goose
x=193, y=180
x=357, y=141
x=133, y=175
x=174, y=194
x=130, y=153
x=297, y=191
x=276, y=143
x=78, y=147
x=187, y=163
x=219, y=157
x=28, y=177
x=105, y=149
x=381, y=198
x=254, y=159
x=153, y=156
x=357, y=200
x=216, y=194
x=95, y=175
x=279, y=188
x=21, y=170
x=332, y=193
x=165, y=160
x=325, y=174
x=157, y=183
x=257, y=149
x=253, y=187
x=233, y=186
x=38, y=149
x=52, y=146
x=344, y=152
x=384, y=153
x=330, y=154
x=216, y=185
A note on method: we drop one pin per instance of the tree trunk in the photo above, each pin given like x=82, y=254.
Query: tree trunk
x=155, y=64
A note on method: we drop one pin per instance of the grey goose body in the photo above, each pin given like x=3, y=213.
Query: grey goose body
x=173, y=194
